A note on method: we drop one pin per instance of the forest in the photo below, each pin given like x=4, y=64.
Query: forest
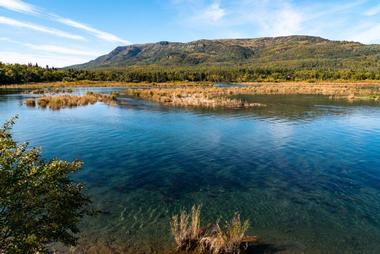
x=21, y=74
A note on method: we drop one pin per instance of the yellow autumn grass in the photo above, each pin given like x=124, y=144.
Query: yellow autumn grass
x=191, y=97
x=186, y=230
x=215, y=239
x=66, y=101
x=211, y=97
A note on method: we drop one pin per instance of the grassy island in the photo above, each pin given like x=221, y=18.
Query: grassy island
x=68, y=101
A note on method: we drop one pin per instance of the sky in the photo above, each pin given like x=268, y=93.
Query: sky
x=65, y=32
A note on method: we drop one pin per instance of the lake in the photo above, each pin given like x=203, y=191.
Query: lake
x=304, y=170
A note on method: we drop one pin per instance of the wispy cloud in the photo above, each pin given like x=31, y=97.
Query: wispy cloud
x=39, y=28
x=259, y=18
x=375, y=10
x=211, y=14
x=53, y=48
x=62, y=50
x=23, y=7
x=19, y=6
x=366, y=33
x=98, y=33
x=277, y=17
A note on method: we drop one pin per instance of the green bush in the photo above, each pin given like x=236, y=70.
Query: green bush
x=39, y=204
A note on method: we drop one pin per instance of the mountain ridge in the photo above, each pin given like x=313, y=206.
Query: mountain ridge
x=231, y=52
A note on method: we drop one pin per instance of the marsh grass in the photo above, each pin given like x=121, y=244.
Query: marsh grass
x=68, y=101
x=213, y=97
x=215, y=239
x=50, y=90
x=191, y=97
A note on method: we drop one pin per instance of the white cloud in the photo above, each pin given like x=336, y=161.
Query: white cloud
x=279, y=20
x=261, y=18
x=289, y=22
x=211, y=14
x=98, y=33
x=373, y=11
x=18, y=6
x=39, y=28
x=264, y=17
x=369, y=33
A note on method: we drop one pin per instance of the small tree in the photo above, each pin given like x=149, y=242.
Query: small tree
x=39, y=204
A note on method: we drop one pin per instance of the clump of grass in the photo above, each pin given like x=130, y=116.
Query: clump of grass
x=227, y=239
x=186, y=230
x=30, y=102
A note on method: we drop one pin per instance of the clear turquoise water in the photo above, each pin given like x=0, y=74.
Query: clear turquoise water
x=305, y=171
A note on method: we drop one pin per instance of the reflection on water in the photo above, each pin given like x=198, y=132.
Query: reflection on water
x=304, y=170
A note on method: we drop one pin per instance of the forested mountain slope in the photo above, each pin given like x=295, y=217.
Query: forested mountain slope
x=291, y=52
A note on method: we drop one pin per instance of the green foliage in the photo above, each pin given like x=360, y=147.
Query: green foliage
x=267, y=73
x=39, y=204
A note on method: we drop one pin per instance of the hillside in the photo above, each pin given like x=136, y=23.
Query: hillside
x=290, y=51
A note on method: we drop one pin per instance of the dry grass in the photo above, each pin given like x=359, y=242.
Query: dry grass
x=328, y=89
x=228, y=239
x=68, y=101
x=30, y=102
x=212, y=97
x=50, y=90
x=191, y=97
x=186, y=229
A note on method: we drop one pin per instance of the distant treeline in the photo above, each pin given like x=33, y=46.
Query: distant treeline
x=18, y=74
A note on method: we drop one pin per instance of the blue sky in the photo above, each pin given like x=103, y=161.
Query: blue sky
x=65, y=32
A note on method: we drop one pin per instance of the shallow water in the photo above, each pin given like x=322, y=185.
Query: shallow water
x=304, y=170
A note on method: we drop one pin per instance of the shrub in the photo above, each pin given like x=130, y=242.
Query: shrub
x=39, y=204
